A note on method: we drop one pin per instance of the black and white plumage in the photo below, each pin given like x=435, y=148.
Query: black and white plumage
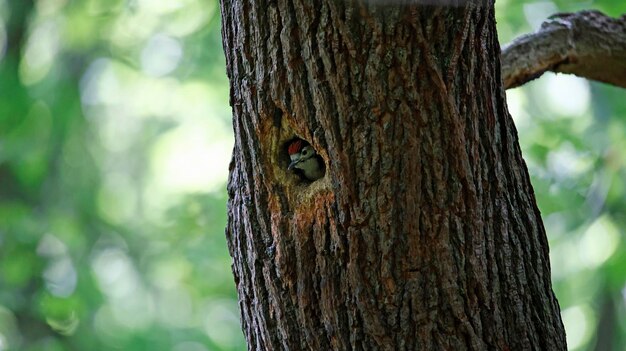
x=305, y=160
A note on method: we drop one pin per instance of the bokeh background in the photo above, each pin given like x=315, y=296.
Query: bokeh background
x=115, y=139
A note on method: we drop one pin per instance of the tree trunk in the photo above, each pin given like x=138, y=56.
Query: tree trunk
x=424, y=232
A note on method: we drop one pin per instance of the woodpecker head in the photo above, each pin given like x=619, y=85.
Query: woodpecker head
x=305, y=159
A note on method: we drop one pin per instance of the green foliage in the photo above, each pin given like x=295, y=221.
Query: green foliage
x=112, y=201
x=115, y=140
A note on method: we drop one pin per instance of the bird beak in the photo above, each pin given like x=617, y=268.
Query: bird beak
x=292, y=164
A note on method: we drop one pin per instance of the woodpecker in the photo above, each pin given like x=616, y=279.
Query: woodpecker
x=305, y=160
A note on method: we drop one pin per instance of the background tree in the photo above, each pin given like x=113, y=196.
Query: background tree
x=115, y=138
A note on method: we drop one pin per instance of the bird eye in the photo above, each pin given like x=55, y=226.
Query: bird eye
x=304, y=152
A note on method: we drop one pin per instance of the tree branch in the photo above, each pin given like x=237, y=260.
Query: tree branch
x=588, y=44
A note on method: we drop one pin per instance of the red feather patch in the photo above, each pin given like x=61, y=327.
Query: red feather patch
x=295, y=147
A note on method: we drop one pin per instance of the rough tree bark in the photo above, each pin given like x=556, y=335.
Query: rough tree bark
x=424, y=233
